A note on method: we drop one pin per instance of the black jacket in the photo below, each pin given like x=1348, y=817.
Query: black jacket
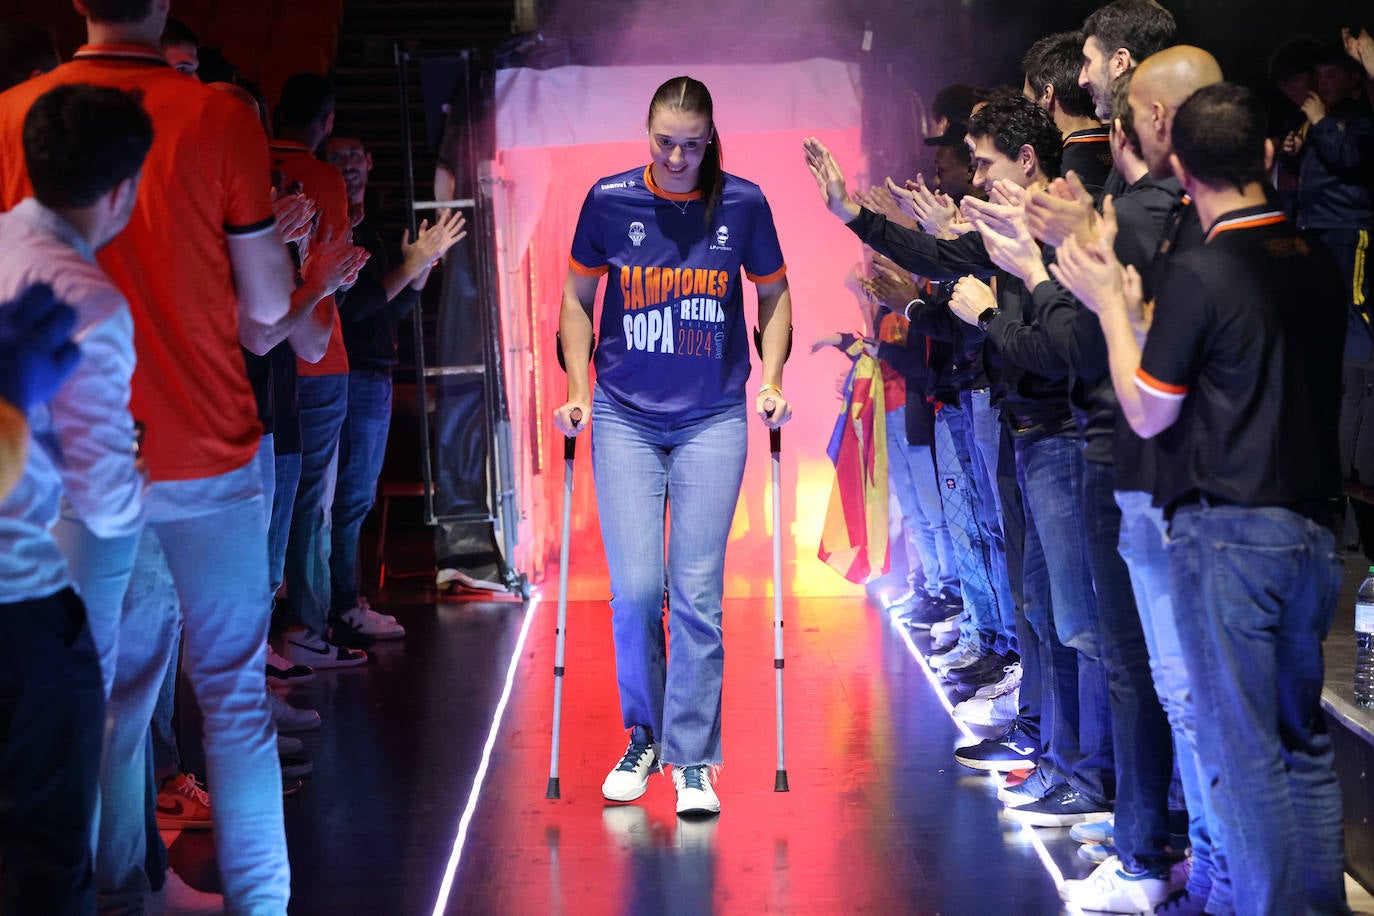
x=369, y=320
x=1033, y=395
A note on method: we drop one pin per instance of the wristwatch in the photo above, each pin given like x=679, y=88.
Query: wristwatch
x=987, y=315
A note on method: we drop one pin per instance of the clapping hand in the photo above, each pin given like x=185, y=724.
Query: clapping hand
x=972, y=297
x=1063, y=209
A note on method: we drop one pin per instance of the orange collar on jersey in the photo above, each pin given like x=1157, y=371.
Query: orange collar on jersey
x=1246, y=222
x=667, y=195
x=143, y=53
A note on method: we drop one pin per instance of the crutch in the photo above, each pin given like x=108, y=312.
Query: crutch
x=569, y=451
x=775, y=448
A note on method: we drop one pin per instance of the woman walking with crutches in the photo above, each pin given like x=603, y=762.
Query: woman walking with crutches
x=670, y=408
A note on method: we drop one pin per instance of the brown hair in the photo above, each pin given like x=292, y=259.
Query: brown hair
x=682, y=93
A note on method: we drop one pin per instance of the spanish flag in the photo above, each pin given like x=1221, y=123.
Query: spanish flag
x=854, y=537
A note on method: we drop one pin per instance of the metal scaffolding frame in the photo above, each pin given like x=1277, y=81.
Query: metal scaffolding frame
x=502, y=508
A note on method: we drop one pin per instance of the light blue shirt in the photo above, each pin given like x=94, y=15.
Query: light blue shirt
x=81, y=442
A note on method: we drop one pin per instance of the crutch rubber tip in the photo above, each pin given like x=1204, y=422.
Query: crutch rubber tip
x=780, y=781
x=552, y=790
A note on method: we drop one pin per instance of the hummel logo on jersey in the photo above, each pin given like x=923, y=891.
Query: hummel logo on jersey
x=637, y=233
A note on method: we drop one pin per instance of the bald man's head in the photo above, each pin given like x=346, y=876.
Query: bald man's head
x=1162, y=83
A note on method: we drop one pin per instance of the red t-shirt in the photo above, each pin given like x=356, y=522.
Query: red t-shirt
x=206, y=178
x=322, y=183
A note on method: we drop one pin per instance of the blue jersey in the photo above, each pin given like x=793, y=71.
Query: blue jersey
x=674, y=340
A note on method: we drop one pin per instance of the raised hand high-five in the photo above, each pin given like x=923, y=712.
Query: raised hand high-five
x=829, y=179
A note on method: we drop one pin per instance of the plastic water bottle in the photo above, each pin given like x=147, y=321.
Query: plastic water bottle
x=1364, y=643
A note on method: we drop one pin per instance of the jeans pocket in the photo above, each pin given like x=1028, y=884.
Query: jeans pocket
x=1250, y=584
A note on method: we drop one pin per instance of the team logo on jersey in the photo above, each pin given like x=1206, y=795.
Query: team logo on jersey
x=722, y=239
x=637, y=233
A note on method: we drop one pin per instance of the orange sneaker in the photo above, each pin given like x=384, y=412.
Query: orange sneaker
x=183, y=804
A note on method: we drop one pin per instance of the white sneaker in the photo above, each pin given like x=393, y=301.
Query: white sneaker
x=1111, y=889
x=998, y=710
x=630, y=778
x=305, y=648
x=177, y=898
x=370, y=623
x=948, y=625
x=694, y=792
x=290, y=719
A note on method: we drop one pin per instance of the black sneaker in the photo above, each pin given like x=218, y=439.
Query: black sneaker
x=343, y=633
x=294, y=766
x=1002, y=753
x=928, y=612
x=1063, y=806
x=991, y=665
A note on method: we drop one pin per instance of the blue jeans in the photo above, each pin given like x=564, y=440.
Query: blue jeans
x=1062, y=609
x=962, y=509
x=1141, y=741
x=984, y=445
x=323, y=403
x=1143, y=547
x=1255, y=591
x=362, y=447
x=689, y=472
x=911, y=474
x=213, y=533
x=286, y=479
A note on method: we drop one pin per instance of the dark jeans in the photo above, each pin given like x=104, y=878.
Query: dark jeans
x=324, y=401
x=52, y=715
x=1062, y=608
x=1141, y=740
x=362, y=448
x=1255, y=590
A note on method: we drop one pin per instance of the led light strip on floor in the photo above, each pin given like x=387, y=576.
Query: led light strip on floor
x=446, y=888
x=1029, y=832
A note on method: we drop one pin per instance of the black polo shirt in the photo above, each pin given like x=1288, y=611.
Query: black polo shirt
x=1248, y=333
x=1089, y=154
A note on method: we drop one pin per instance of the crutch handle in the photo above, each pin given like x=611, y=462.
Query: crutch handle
x=774, y=435
x=570, y=442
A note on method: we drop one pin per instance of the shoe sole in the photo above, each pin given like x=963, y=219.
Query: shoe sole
x=319, y=660
x=180, y=823
x=285, y=682
x=985, y=721
x=699, y=812
x=1039, y=819
x=624, y=798
x=994, y=766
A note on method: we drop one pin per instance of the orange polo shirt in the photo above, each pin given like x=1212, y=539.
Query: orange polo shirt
x=206, y=178
x=322, y=183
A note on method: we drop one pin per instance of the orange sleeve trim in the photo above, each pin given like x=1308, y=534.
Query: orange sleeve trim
x=1153, y=385
x=774, y=277
x=588, y=271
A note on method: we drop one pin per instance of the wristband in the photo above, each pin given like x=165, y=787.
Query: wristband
x=774, y=388
x=906, y=312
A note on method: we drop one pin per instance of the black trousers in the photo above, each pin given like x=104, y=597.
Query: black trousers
x=52, y=716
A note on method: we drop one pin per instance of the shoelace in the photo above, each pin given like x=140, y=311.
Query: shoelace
x=192, y=790
x=694, y=777
x=630, y=762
